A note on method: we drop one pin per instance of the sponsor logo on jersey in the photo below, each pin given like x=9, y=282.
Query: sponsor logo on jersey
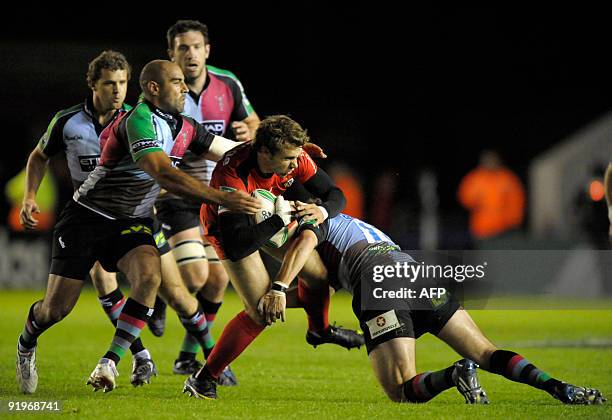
x=88, y=162
x=288, y=183
x=216, y=127
x=141, y=145
x=383, y=323
x=75, y=137
x=164, y=115
x=220, y=101
x=383, y=248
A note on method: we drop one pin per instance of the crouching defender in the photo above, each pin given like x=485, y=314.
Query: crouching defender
x=351, y=249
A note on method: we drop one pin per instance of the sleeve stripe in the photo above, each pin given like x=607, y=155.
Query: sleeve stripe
x=140, y=154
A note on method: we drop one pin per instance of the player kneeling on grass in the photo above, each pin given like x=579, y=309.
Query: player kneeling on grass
x=351, y=249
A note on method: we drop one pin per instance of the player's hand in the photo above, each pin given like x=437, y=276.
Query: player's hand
x=272, y=306
x=282, y=207
x=240, y=202
x=241, y=131
x=307, y=211
x=314, y=150
x=26, y=215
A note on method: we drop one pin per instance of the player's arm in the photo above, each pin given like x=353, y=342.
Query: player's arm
x=273, y=304
x=218, y=147
x=332, y=199
x=297, y=254
x=240, y=238
x=158, y=165
x=608, y=188
x=35, y=172
x=245, y=119
x=51, y=143
x=245, y=129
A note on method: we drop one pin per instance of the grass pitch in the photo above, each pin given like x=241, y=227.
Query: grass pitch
x=282, y=377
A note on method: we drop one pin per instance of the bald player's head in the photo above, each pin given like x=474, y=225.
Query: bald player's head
x=162, y=83
x=154, y=71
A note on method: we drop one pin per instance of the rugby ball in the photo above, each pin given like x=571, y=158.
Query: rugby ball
x=267, y=200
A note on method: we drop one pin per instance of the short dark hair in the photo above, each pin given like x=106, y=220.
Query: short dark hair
x=183, y=26
x=109, y=60
x=277, y=131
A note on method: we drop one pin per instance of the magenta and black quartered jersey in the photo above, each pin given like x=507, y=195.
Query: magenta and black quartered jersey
x=118, y=188
x=221, y=101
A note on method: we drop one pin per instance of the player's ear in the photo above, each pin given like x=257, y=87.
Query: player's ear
x=153, y=87
x=207, y=50
x=170, y=54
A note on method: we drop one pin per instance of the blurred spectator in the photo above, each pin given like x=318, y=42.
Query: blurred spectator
x=494, y=196
x=591, y=209
x=347, y=181
x=382, y=206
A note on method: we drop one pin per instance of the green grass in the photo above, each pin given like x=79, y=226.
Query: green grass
x=281, y=377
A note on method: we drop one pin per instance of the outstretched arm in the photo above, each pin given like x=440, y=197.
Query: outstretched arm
x=159, y=166
x=221, y=145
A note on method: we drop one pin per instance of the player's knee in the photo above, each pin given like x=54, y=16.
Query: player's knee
x=152, y=279
x=148, y=276
x=194, y=275
x=216, y=284
x=190, y=257
x=254, y=314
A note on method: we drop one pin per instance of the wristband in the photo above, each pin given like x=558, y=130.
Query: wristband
x=279, y=287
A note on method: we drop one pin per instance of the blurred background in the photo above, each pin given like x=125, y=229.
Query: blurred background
x=449, y=128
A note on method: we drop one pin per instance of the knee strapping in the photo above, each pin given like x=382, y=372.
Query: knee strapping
x=186, y=252
x=211, y=254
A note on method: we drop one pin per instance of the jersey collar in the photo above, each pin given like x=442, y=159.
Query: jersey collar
x=170, y=118
x=88, y=106
x=195, y=96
